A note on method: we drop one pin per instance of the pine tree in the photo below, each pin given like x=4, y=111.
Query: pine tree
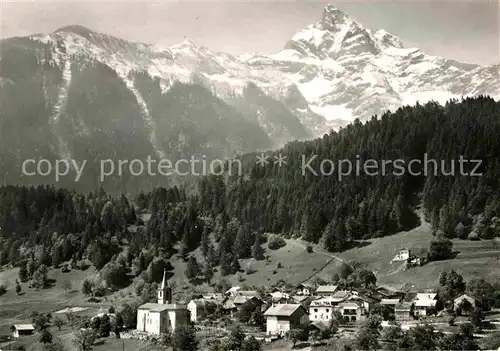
x=193, y=268
x=242, y=246
x=257, y=250
x=225, y=264
x=205, y=241
x=235, y=265
x=23, y=273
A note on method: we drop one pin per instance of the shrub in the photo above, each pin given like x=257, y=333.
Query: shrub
x=309, y=249
x=3, y=290
x=275, y=242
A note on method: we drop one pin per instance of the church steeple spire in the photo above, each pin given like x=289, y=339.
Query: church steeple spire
x=164, y=292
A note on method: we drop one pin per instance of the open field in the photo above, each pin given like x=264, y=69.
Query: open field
x=16, y=309
x=65, y=337
x=297, y=266
x=474, y=259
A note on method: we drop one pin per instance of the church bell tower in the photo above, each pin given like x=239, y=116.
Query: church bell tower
x=164, y=292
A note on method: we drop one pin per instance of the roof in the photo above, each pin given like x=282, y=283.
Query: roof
x=300, y=298
x=239, y=300
x=341, y=294
x=389, y=301
x=279, y=295
x=247, y=293
x=155, y=307
x=425, y=303
x=410, y=296
x=327, y=288
x=283, y=310
x=362, y=298
x=198, y=302
x=426, y=296
x=24, y=327
x=327, y=301
x=213, y=296
x=349, y=305
x=306, y=285
x=319, y=325
x=465, y=297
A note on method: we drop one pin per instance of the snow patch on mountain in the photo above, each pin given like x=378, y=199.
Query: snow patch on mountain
x=327, y=74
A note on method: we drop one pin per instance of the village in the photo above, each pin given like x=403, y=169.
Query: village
x=309, y=313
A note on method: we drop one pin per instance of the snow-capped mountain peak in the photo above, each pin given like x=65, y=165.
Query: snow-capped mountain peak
x=333, y=18
x=328, y=74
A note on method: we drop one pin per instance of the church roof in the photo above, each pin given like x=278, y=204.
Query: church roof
x=164, y=282
x=156, y=307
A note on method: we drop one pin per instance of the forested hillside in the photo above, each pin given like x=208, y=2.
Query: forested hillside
x=282, y=199
x=228, y=216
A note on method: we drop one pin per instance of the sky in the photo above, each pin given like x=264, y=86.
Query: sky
x=464, y=31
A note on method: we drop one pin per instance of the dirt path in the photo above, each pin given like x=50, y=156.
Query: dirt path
x=317, y=250
x=320, y=269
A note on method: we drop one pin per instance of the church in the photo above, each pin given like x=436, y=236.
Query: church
x=164, y=316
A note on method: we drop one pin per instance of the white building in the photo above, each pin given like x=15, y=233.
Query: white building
x=196, y=309
x=352, y=312
x=423, y=303
x=283, y=317
x=321, y=310
x=402, y=255
x=19, y=330
x=161, y=317
x=305, y=289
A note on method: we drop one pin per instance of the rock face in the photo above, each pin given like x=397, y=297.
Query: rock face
x=79, y=94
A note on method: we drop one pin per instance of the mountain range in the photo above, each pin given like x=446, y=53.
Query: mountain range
x=79, y=94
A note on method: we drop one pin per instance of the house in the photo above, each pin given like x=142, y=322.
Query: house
x=402, y=255
x=305, y=289
x=318, y=326
x=279, y=297
x=413, y=261
x=424, y=303
x=326, y=290
x=283, y=317
x=240, y=301
x=341, y=295
x=19, y=330
x=402, y=311
x=161, y=317
x=390, y=303
x=365, y=301
x=464, y=304
x=322, y=309
x=387, y=293
x=233, y=304
x=352, y=311
x=228, y=307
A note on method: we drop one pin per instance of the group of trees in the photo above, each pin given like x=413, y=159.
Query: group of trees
x=294, y=200
x=452, y=285
x=426, y=337
x=227, y=217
